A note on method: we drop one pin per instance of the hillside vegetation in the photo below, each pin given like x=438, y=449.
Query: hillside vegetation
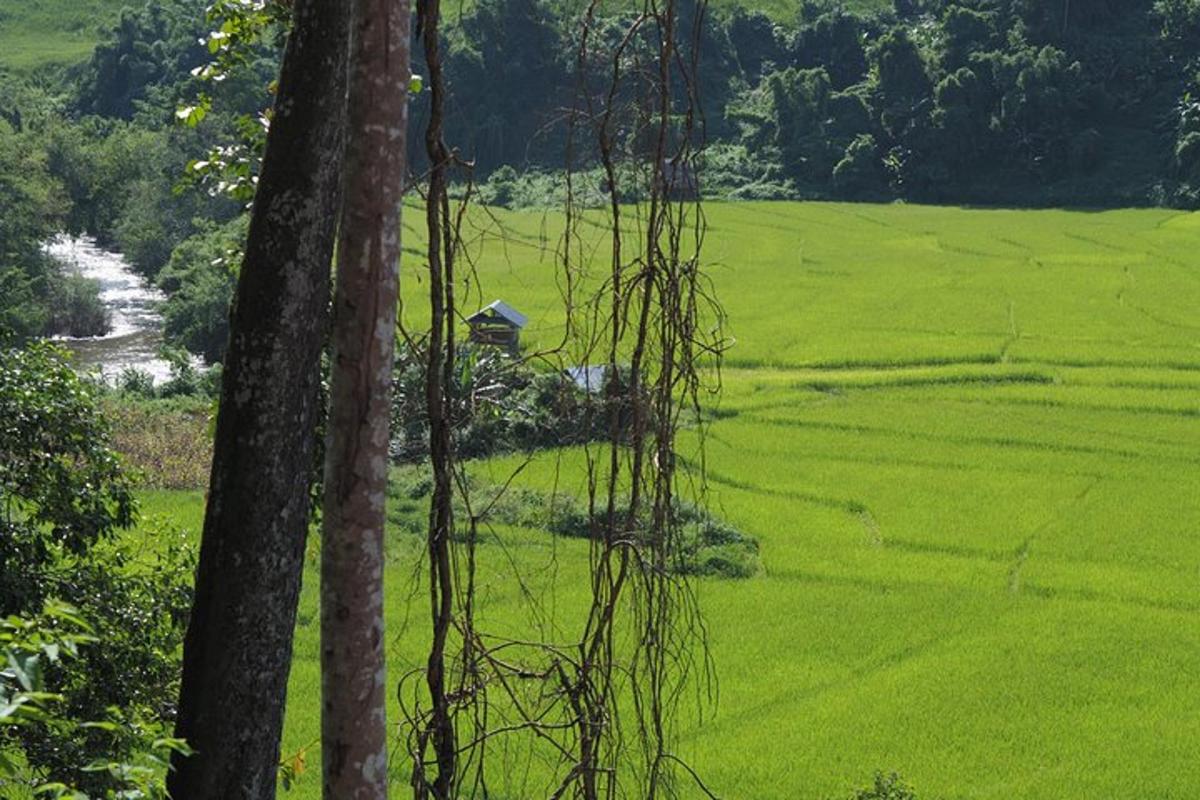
x=1019, y=103
x=40, y=33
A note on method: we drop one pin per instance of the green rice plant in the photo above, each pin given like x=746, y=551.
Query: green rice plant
x=38, y=33
x=966, y=443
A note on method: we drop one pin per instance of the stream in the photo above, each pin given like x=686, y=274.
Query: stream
x=136, y=334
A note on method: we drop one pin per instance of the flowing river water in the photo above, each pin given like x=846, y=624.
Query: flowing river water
x=136, y=334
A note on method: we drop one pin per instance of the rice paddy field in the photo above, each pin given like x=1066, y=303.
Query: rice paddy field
x=968, y=443
x=41, y=33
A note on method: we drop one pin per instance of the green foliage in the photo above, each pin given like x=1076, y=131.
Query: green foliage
x=61, y=487
x=64, y=498
x=800, y=100
x=900, y=77
x=186, y=379
x=123, y=181
x=29, y=645
x=507, y=67
x=508, y=188
x=75, y=307
x=37, y=295
x=136, y=604
x=1019, y=103
x=833, y=41
x=148, y=230
x=199, y=279
x=713, y=547
x=1179, y=22
x=859, y=175
x=1187, y=148
x=756, y=42
x=242, y=44
x=98, y=162
x=537, y=188
x=30, y=203
x=500, y=404
x=53, y=641
x=706, y=546
x=886, y=787
x=1040, y=105
x=962, y=117
x=966, y=31
x=155, y=47
x=982, y=102
x=734, y=172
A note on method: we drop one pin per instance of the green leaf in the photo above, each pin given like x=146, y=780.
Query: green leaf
x=193, y=115
x=102, y=726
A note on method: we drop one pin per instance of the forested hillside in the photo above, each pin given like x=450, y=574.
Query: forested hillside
x=990, y=102
x=1014, y=102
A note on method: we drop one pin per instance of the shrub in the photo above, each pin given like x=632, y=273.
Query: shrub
x=61, y=485
x=535, y=188
x=886, y=787
x=63, y=500
x=711, y=546
x=736, y=172
x=200, y=279
x=135, y=382
x=500, y=404
x=35, y=645
x=186, y=380
x=75, y=307
x=860, y=173
x=706, y=545
x=136, y=605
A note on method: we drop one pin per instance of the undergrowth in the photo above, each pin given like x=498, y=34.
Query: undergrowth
x=709, y=546
x=165, y=443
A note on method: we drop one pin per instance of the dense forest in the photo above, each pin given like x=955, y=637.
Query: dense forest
x=151, y=144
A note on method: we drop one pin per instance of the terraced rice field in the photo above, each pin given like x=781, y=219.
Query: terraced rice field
x=969, y=445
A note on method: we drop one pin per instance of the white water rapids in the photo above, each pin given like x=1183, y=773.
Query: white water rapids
x=136, y=334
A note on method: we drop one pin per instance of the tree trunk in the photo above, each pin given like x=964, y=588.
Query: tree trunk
x=353, y=728
x=238, y=648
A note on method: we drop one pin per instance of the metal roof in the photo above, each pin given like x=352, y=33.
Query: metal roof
x=504, y=310
x=588, y=377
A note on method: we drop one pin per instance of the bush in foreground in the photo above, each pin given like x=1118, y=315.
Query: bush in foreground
x=707, y=545
x=64, y=498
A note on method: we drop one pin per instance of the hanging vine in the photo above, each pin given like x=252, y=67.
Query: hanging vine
x=592, y=715
x=657, y=311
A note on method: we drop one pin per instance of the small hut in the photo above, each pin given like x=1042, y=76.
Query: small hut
x=498, y=325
